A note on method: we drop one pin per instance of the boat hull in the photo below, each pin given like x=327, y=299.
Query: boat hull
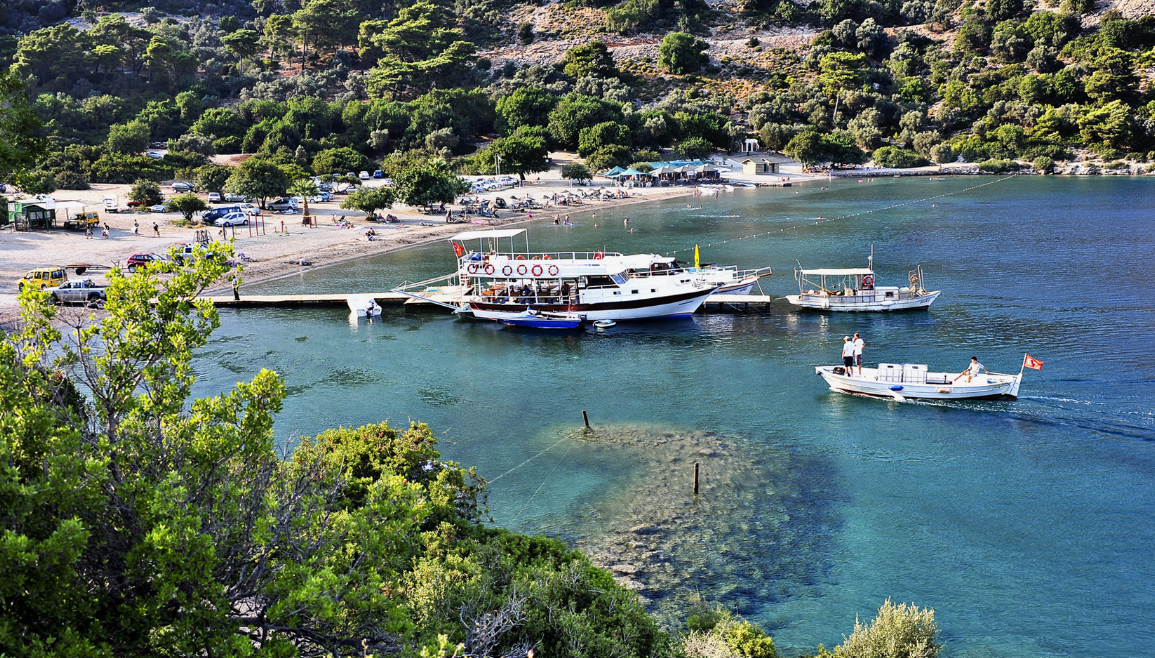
x=851, y=304
x=541, y=323
x=661, y=307
x=983, y=386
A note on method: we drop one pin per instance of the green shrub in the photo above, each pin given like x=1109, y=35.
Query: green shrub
x=71, y=180
x=227, y=145
x=999, y=166
x=899, y=631
x=1043, y=164
x=896, y=158
x=715, y=632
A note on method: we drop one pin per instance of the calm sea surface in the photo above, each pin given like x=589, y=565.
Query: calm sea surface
x=1028, y=525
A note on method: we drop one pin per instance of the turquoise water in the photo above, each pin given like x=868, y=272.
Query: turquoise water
x=1027, y=525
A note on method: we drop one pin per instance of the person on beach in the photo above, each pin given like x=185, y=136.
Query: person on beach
x=626, y=223
x=88, y=233
x=973, y=370
x=156, y=229
x=135, y=227
x=858, y=345
x=848, y=355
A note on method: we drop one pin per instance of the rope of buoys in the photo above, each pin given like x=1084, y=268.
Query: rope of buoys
x=862, y=212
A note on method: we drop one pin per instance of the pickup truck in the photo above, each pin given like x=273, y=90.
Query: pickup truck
x=78, y=291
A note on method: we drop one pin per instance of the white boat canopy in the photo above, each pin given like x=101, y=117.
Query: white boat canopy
x=488, y=235
x=837, y=272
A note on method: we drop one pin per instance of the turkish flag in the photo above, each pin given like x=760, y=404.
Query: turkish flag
x=458, y=249
x=1031, y=362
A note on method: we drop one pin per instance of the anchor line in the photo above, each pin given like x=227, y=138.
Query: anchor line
x=548, y=477
x=528, y=460
x=856, y=214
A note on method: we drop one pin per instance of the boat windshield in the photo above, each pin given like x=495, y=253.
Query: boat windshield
x=619, y=279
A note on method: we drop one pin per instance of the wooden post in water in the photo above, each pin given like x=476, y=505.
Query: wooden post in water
x=695, y=478
x=586, y=418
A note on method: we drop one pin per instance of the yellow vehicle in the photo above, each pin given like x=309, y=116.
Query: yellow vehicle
x=81, y=220
x=43, y=277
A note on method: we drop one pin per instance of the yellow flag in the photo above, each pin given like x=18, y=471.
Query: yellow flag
x=696, y=256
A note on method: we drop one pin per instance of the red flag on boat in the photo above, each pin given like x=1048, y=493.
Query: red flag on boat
x=1031, y=362
x=458, y=249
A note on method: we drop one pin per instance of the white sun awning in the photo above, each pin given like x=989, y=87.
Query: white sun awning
x=488, y=235
x=837, y=272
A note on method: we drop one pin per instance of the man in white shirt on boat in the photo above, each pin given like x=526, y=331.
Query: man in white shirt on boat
x=973, y=370
x=848, y=355
x=858, y=345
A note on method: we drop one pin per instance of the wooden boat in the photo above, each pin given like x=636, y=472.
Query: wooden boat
x=915, y=381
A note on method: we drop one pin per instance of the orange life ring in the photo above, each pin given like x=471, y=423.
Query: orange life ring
x=507, y=270
x=598, y=255
x=548, y=257
x=473, y=268
x=536, y=270
x=553, y=270
x=521, y=270
x=868, y=281
x=489, y=268
x=521, y=258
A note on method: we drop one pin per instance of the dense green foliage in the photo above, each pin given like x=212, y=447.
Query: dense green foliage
x=138, y=521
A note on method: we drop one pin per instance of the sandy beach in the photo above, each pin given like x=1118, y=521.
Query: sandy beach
x=284, y=242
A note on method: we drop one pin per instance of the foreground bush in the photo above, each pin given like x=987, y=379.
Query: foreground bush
x=895, y=158
x=899, y=631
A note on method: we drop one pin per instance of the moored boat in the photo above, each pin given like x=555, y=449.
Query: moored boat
x=855, y=289
x=500, y=283
x=915, y=381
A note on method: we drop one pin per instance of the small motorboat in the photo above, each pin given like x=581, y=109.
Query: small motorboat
x=364, y=306
x=914, y=381
x=855, y=290
x=604, y=324
x=542, y=320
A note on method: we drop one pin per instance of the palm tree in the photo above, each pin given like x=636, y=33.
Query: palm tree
x=304, y=188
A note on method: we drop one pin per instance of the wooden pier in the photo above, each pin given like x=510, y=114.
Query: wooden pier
x=713, y=304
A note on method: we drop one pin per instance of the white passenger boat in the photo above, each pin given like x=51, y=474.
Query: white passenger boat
x=501, y=281
x=855, y=290
x=914, y=381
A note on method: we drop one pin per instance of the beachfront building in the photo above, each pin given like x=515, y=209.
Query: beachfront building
x=758, y=166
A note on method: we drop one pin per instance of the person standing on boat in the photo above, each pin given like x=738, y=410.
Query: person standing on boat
x=848, y=355
x=972, y=370
x=858, y=345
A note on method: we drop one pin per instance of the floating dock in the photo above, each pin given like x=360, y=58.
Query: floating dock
x=714, y=303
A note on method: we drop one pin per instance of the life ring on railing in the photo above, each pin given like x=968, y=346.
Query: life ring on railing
x=473, y=268
x=507, y=270
x=868, y=281
x=536, y=269
x=536, y=258
x=521, y=270
x=598, y=255
x=521, y=258
x=489, y=268
x=547, y=257
x=553, y=270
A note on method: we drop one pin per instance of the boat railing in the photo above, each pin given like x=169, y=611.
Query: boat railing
x=543, y=255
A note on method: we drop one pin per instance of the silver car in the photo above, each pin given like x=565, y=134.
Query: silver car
x=78, y=291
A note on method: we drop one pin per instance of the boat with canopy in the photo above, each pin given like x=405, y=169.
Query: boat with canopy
x=855, y=289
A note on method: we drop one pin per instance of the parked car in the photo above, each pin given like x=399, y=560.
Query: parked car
x=158, y=145
x=140, y=260
x=214, y=197
x=233, y=219
x=188, y=253
x=43, y=277
x=281, y=203
x=181, y=186
x=231, y=198
x=160, y=207
x=378, y=174
x=325, y=187
x=212, y=215
x=349, y=174
x=364, y=175
x=78, y=291
x=154, y=155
